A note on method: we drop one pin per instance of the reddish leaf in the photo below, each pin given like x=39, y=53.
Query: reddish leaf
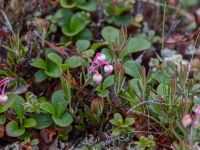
x=96, y=104
x=48, y=134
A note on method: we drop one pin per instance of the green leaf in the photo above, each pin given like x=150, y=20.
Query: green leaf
x=13, y=130
x=55, y=58
x=30, y=122
x=66, y=87
x=121, y=20
x=118, y=117
x=35, y=142
x=64, y=120
x=114, y=122
x=189, y=3
x=161, y=77
x=196, y=75
x=130, y=129
x=40, y=76
x=11, y=99
x=27, y=135
x=46, y=106
x=59, y=102
x=18, y=107
x=109, y=81
x=95, y=46
x=136, y=45
x=117, y=131
x=43, y=120
x=76, y=25
x=53, y=69
x=2, y=119
x=88, y=5
x=110, y=34
x=132, y=68
x=163, y=89
x=134, y=86
x=67, y=3
x=39, y=63
x=108, y=54
x=91, y=117
x=82, y=45
x=63, y=17
x=86, y=34
x=88, y=53
x=195, y=89
x=129, y=121
x=102, y=93
x=74, y=61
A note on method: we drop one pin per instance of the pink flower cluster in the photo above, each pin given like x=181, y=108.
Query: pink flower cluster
x=189, y=120
x=3, y=84
x=99, y=61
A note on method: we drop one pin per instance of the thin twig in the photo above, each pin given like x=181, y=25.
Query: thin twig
x=142, y=103
x=7, y=21
x=163, y=28
x=193, y=51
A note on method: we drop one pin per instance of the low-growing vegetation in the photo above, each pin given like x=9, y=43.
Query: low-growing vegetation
x=100, y=74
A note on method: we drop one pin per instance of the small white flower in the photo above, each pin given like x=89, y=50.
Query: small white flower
x=187, y=120
x=197, y=111
x=100, y=57
x=196, y=123
x=3, y=99
x=97, y=78
x=108, y=69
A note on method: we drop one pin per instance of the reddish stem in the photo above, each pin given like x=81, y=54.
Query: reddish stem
x=3, y=80
x=3, y=90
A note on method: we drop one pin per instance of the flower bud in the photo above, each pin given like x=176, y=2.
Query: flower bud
x=187, y=120
x=97, y=106
x=195, y=123
x=100, y=57
x=197, y=110
x=108, y=69
x=3, y=99
x=97, y=78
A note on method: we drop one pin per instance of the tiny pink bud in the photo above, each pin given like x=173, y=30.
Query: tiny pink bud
x=196, y=123
x=3, y=99
x=97, y=78
x=197, y=110
x=187, y=120
x=100, y=57
x=108, y=69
